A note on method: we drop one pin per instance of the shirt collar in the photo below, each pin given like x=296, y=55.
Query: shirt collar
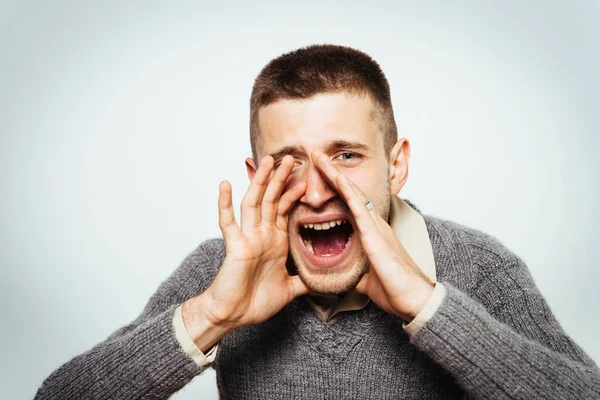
x=409, y=227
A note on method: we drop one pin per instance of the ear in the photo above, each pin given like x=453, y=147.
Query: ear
x=399, y=157
x=250, y=168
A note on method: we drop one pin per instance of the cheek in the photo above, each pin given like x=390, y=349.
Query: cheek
x=373, y=184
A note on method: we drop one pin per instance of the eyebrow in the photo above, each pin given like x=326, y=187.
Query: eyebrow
x=345, y=144
x=329, y=147
x=285, y=151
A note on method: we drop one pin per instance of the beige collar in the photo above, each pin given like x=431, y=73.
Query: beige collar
x=409, y=226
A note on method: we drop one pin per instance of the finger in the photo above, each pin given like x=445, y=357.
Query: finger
x=253, y=197
x=386, y=232
x=334, y=177
x=385, y=229
x=351, y=193
x=382, y=226
x=290, y=198
x=227, y=223
x=287, y=201
x=329, y=171
x=369, y=223
x=378, y=221
x=274, y=188
x=373, y=238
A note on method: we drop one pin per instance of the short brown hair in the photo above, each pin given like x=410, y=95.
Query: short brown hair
x=316, y=69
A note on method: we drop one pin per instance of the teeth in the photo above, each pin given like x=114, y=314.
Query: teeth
x=308, y=244
x=325, y=225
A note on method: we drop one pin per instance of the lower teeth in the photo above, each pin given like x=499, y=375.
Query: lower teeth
x=308, y=245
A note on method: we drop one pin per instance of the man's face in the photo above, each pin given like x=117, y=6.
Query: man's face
x=323, y=238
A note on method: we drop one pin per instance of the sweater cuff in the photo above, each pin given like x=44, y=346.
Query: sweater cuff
x=188, y=345
x=432, y=305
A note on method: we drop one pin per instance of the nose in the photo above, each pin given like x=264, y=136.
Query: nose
x=318, y=191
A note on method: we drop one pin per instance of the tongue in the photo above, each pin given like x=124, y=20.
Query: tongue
x=329, y=242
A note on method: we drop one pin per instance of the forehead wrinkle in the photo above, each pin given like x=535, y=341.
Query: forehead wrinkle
x=303, y=118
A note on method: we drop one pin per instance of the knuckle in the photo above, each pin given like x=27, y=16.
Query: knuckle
x=246, y=203
x=269, y=201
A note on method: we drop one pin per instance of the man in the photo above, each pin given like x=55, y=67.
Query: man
x=332, y=286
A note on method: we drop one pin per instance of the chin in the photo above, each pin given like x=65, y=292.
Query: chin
x=334, y=281
x=321, y=274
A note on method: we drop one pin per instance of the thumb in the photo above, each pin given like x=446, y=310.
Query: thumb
x=297, y=287
x=361, y=287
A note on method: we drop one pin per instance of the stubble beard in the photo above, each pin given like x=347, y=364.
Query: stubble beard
x=332, y=281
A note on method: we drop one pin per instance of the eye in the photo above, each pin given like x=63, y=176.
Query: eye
x=347, y=156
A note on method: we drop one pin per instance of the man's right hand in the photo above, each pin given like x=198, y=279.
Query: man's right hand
x=253, y=283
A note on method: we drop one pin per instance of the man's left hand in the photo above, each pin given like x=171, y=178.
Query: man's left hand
x=394, y=282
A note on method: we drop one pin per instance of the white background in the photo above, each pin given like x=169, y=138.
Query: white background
x=119, y=119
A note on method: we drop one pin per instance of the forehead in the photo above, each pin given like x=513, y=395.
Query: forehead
x=309, y=123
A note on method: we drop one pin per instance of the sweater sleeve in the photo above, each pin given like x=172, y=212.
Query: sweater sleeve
x=143, y=359
x=511, y=348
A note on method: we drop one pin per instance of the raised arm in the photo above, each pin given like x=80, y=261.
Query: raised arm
x=145, y=359
x=142, y=359
x=504, y=343
x=520, y=352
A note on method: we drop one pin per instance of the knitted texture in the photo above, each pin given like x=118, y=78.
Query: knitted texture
x=493, y=337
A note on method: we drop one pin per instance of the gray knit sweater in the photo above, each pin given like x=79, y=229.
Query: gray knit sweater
x=493, y=337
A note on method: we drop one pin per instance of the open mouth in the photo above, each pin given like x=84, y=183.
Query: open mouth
x=326, y=239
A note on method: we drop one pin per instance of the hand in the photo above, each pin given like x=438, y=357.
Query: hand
x=253, y=283
x=395, y=283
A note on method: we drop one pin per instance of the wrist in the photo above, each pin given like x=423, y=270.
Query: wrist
x=418, y=299
x=433, y=304
x=202, y=327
